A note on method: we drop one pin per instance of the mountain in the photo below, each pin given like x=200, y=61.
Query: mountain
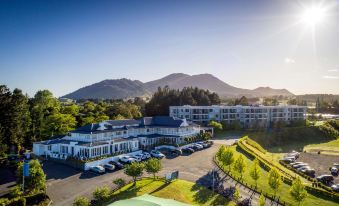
x=110, y=89
x=125, y=88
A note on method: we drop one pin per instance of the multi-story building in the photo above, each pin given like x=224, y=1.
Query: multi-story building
x=118, y=136
x=247, y=116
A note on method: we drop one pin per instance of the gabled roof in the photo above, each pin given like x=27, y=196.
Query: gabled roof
x=161, y=121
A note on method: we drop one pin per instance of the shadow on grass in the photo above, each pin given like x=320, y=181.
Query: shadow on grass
x=161, y=187
x=204, y=186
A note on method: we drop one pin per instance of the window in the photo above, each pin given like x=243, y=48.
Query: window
x=49, y=147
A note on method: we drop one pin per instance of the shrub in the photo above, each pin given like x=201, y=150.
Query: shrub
x=255, y=145
x=81, y=201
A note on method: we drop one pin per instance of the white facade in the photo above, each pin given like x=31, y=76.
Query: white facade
x=246, y=115
x=117, y=137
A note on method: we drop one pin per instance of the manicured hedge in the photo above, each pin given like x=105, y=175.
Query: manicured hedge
x=320, y=190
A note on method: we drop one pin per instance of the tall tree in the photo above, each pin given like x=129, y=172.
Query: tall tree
x=20, y=119
x=42, y=105
x=274, y=180
x=153, y=166
x=134, y=170
x=298, y=191
x=255, y=171
x=240, y=165
x=37, y=179
x=228, y=157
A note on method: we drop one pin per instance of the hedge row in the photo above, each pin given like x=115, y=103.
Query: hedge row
x=29, y=200
x=271, y=197
x=321, y=190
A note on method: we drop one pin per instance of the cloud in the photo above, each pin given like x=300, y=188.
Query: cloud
x=332, y=70
x=289, y=61
x=331, y=77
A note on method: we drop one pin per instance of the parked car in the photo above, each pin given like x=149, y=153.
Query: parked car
x=334, y=171
x=117, y=165
x=294, y=153
x=145, y=155
x=138, y=157
x=157, y=154
x=98, y=169
x=197, y=146
x=127, y=159
x=295, y=163
x=109, y=167
x=204, y=144
x=303, y=168
x=309, y=172
x=188, y=150
x=335, y=187
x=326, y=179
x=287, y=160
x=293, y=158
x=300, y=165
x=176, y=152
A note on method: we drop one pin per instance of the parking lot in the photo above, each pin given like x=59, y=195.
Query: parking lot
x=65, y=183
x=320, y=163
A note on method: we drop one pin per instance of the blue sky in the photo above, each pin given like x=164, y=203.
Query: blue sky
x=65, y=45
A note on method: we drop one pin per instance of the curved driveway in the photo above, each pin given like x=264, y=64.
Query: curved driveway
x=65, y=183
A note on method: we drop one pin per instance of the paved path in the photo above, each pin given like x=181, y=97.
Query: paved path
x=197, y=167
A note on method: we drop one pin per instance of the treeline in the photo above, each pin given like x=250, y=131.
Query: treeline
x=24, y=120
x=165, y=97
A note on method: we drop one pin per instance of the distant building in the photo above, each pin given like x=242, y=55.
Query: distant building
x=247, y=116
x=117, y=137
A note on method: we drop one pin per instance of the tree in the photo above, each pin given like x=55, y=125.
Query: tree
x=37, y=179
x=58, y=123
x=216, y=125
x=240, y=165
x=236, y=194
x=221, y=152
x=81, y=201
x=274, y=180
x=255, y=171
x=228, y=157
x=298, y=191
x=134, y=170
x=101, y=194
x=119, y=182
x=153, y=166
x=262, y=201
x=42, y=105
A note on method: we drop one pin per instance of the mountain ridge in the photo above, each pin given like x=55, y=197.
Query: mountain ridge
x=126, y=88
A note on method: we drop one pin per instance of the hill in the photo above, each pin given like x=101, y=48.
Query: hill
x=110, y=89
x=125, y=88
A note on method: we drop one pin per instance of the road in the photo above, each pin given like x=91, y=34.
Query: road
x=63, y=189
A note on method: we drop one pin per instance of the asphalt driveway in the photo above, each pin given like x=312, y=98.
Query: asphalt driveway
x=65, y=183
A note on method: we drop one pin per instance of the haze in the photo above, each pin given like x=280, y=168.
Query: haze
x=65, y=45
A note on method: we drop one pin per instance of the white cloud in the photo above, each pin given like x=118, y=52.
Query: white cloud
x=289, y=61
x=331, y=77
x=332, y=70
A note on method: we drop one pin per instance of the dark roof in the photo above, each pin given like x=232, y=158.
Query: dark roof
x=65, y=141
x=161, y=121
x=157, y=135
x=145, y=122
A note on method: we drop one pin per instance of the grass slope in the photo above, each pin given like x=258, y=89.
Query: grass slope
x=329, y=148
x=179, y=190
x=283, y=191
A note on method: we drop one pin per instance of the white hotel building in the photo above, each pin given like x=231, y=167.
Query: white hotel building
x=114, y=137
x=246, y=115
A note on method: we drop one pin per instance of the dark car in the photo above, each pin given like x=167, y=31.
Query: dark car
x=176, y=152
x=326, y=179
x=188, y=150
x=310, y=172
x=117, y=165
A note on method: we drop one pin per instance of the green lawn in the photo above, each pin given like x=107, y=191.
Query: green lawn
x=283, y=192
x=330, y=148
x=179, y=190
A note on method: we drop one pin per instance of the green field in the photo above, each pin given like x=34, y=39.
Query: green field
x=329, y=148
x=283, y=192
x=179, y=190
x=281, y=141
